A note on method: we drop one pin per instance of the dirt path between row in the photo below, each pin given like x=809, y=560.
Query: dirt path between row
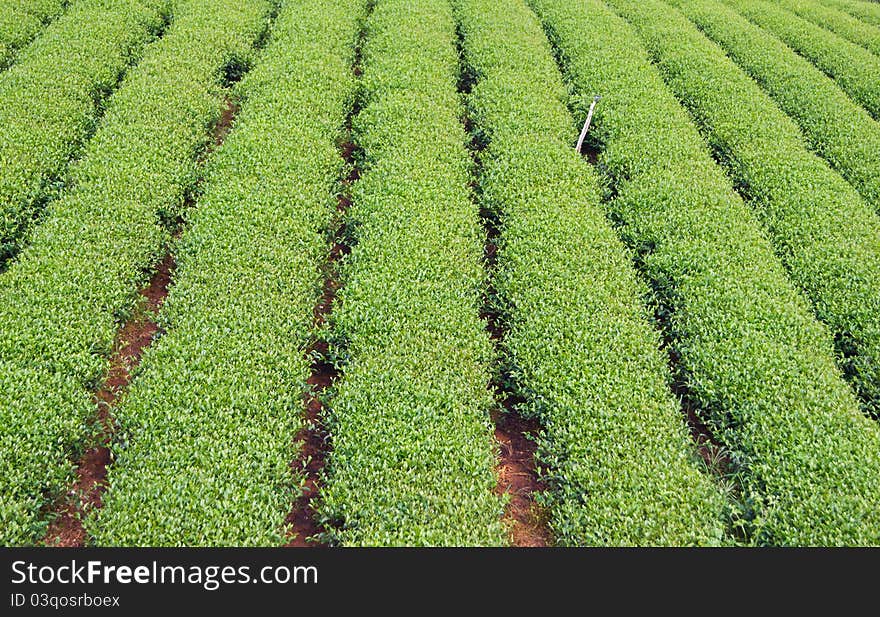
x=131, y=341
x=303, y=528
x=517, y=466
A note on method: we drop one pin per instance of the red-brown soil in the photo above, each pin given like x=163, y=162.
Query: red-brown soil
x=314, y=439
x=518, y=477
x=311, y=460
x=132, y=339
x=517, y=470
x=138, y=333
x=713, y=453
x=224, y=124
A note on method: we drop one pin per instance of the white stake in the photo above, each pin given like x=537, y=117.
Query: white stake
x=587, y=123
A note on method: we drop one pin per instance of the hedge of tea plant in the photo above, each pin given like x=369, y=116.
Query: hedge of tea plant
x=757, y=363
x=62, y=300
x=51, y=98
x=21, y=21
x=853, y=67
x=412, y=458
x=210, y=421
x=835, y=127
x=864, y=11
x=825, y=234
x=839, y=22
x=579, y=345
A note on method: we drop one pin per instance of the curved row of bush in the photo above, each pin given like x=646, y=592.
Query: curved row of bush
x=412, y=459
x=622, y=468
x=61, y=301
x=21, y=21
x=838, y=129
x=825, y=234
x=755, y=360
x=210, y=420
x=50, y=99
x=852, y=66
x=839, y=22
x=865, y=11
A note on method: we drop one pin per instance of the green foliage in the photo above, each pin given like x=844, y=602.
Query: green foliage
x=864, y=11
x=62, y=299
x=42, y=414
x=839, y=22
x=836, y=127
x=210, y=421
x=50, y=99
x=412, y=459
x=755, y=360
x=21, y=21
x=206, y=432
x=580, y=348
x=825, y=234
x=853, y=67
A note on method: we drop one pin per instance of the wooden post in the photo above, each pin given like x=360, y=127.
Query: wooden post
x=587, y=123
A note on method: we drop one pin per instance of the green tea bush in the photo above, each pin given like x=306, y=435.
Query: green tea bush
x=853, y=67
x=757, y=363
x=51, y=98
x=825, y=234
x=840, y=130
x=579, y=345
x=62, y=299
x=209, y=424
x=413, y=457
x=21, y=21
x=864, y=11
x=839, y=22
